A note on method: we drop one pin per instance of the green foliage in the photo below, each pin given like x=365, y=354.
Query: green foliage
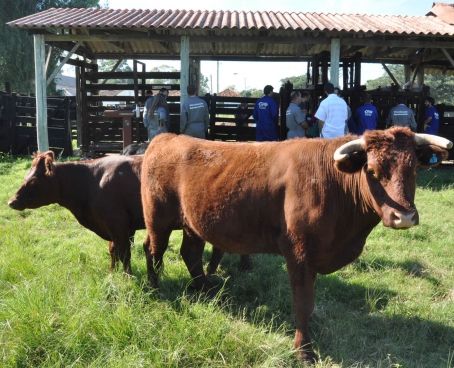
x=61, y=307
x=299, y=82
x=203, y=88
x=253, y=92
x=441, y=86
x=16, y=46
x=107, y=66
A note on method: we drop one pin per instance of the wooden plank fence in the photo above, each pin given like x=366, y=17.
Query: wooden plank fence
x=18, y=124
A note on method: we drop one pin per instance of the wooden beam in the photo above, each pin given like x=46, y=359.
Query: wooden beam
x=320, y=39
x=58, y=68
x=415, y=73
x=113, y=70
x=49, y=53
x=448, y=56
x=391, y=75
x=184, y=79
x=334, y=62
x=40, y=90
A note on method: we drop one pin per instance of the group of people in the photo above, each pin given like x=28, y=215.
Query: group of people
x=334, y=116
x=194, y=115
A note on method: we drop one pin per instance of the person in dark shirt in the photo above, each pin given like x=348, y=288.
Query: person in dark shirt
x=366, y=116
x=432, y=118
x=265, y=115
x=401, y=115
x=194, y=115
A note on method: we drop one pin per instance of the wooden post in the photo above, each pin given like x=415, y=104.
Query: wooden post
x=420, y=76
x=196, y=64
x=335, y=57
x=407, y=73
x=40, y=89
x=357, y=82
x=391, y=75
x=184, y=78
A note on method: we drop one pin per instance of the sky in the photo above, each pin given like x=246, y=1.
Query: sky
x=246, y=75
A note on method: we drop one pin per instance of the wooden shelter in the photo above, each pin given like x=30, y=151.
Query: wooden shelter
x=327, y=41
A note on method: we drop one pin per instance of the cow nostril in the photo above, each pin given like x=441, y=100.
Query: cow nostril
x=394, y=217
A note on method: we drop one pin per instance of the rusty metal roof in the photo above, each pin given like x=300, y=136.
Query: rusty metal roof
x=246, y=20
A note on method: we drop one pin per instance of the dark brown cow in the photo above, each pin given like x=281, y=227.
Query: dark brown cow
x=103, y=195
x=313, y=201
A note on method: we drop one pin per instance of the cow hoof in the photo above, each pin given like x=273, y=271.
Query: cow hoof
x=308, y=356
x=245, y=264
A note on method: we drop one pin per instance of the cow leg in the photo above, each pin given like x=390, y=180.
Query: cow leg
x=120, y=250
x=113, y=257
x=216, y=257
x=191, y=251
x=302, y=280
x=245, y=263
x=154, y=246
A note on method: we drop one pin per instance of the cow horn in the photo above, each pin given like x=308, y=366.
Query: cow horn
x=422, y=139
x=342, y=152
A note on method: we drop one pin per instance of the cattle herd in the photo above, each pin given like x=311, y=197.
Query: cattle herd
x=312, y=201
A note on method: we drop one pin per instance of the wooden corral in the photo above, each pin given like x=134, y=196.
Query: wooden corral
x=18, y=123
x=328, y=42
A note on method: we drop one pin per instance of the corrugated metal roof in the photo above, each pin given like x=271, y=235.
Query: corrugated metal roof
x=264, y=20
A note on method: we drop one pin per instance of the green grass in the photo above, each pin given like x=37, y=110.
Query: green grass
x=61, y=307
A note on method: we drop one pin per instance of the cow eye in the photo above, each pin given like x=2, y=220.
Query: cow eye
x=372, y=173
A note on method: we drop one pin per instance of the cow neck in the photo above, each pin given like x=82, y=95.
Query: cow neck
x=354, y=195
x=73, y=178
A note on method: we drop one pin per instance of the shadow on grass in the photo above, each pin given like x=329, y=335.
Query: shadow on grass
x=350, y=323
x=411, y=266
x=436, y=178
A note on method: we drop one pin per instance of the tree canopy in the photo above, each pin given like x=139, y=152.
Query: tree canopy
x=107, y=66
x=299, y=81
x=16, y=45
x=441, y=86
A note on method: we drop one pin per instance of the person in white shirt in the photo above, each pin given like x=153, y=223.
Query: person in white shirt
x=332, y=115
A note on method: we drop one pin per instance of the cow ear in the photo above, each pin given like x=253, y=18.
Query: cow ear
x=353, y=163
x=49, y=163
x=429, y=155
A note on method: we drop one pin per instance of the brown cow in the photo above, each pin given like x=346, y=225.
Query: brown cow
x=103, y=195
x=313, y=201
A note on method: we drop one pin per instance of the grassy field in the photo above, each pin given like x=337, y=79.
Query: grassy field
x=61, y=307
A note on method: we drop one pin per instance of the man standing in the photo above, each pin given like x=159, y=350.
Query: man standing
x=401, y=115
x=295, y=118
x=194, y=115
x=265, y=115
x=146, y=108
x=164, y=91
x=366, y=116
x=432, y=118
x=332, y=114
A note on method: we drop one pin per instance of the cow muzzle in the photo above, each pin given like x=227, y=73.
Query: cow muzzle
x=399, y=220
x=15, y=204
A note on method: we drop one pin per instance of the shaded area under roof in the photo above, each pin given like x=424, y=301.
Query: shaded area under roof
x=245, y=35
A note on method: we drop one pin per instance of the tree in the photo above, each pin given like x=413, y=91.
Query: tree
x=299, y=82
x=203, y=88
x=166, y=69
x=253, y=92
x=16, y=46
x=107, y=66
x=441, y=86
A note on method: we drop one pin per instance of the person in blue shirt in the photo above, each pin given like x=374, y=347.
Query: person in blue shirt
x=366, y=116
x=432, y=118
x=265, y=115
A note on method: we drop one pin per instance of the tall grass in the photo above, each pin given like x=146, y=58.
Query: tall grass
x=61, y=307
